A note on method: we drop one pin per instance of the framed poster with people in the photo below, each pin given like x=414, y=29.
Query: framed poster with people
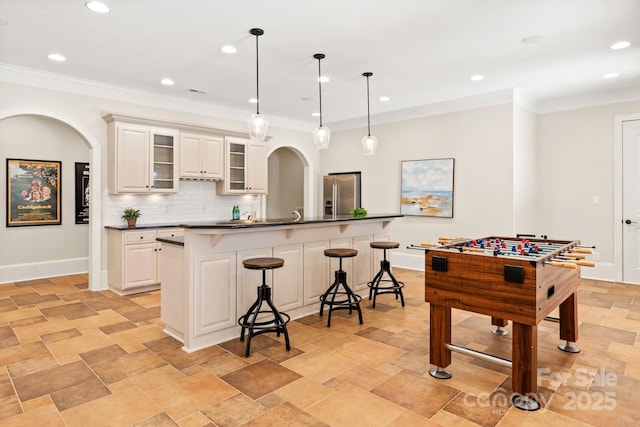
x=34, y=192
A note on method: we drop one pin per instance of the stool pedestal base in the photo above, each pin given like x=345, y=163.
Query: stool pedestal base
x=347, y=299
x=392, y=286
x=257, y=321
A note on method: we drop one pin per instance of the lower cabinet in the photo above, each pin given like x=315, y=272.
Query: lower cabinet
x=288, y=281
x=214, y=304
x=133, y=259
x=317, y=276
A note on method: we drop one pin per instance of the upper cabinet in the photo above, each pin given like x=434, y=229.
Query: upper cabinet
x=245, y=170
x=201, y=157
x=142, y=159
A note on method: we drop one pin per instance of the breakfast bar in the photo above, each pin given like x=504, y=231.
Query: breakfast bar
x=205, y=287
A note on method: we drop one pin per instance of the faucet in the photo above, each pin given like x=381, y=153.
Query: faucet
x=296, y=215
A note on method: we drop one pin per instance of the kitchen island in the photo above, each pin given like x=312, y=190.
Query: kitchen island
x=205, y=287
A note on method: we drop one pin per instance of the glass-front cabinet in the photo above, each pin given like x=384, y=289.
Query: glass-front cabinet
x=142, y=159
x=246, y=167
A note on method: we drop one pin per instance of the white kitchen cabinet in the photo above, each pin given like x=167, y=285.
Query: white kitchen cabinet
x=133, y=259
x=362, y=263
x=201, y=157
x=142, y=159
x=245, y=169
x=288, y=281
x=213, y=301
x=317, y=274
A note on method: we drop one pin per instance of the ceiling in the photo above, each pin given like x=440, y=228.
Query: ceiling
x=421, y=52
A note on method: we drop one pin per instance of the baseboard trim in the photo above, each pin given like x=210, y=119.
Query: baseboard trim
x=43, y=269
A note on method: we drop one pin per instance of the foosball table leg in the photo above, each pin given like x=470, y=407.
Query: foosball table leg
x=440, y=373
x=569, y=347
x=499, y=324
x=524, y=402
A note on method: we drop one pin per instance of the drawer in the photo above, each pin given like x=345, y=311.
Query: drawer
x=133, y=237
x=172, y=232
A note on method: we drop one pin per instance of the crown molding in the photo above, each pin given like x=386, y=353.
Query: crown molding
x=61, y=83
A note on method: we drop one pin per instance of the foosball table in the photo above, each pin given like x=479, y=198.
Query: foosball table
x=522, y=280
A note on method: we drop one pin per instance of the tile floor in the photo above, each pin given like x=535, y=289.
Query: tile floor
x=72, y=357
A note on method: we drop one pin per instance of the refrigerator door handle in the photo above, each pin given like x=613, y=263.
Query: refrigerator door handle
x=336, y=200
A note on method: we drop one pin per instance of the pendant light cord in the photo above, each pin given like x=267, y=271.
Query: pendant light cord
x=257, y=78
x=320, y=89
x=367, y=75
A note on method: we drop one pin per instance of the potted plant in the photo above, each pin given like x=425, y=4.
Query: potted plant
x=131, y=215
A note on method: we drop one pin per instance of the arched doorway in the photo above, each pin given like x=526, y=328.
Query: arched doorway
x=287, y=182
x=94, y=233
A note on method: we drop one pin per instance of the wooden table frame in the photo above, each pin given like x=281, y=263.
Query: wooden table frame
x=475, y=283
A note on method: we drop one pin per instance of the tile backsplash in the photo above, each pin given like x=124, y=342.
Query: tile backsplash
x=195, y=201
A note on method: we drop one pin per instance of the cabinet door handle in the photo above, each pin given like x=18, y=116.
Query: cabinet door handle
x=141, y=237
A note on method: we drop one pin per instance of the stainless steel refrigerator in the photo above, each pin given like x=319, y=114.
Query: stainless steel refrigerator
x=341, y=193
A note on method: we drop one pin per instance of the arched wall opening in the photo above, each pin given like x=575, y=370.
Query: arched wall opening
x=37, y=242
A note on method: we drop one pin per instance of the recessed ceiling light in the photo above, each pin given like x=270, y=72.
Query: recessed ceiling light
x=477, y=78
x=253, y=100
x=533, y=39
x=324, y=79
x=384, y=99
x=97, y=6
x=228, y=49
x=316, y=114
x=56, y=57
x=620, y=45
x=167, y=82
x=610, y=75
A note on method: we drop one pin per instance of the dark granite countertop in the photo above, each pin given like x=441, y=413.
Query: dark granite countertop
x=268, y=222
x=272, y=222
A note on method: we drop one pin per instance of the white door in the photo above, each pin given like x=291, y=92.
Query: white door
x=631, y=201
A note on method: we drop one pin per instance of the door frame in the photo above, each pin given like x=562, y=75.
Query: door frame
x=618, y=121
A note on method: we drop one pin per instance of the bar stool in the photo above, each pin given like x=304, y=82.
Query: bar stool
x=394, y=286
x=256, y=320
x=348, y=300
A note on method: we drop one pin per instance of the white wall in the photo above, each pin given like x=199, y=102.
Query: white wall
x=37, y=249
x=576, y=162
x=481, y=142
x=525, y=171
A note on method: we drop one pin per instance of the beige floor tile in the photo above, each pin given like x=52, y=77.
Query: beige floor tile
x=370, y=353
x=68, y=350
x=184, y=397
x=42, y=416
x=32, y=332
x=132, y=339
x=125, y=408
x=156, y=378
x=104, y=318
x=319, y=365
x=304, y=392
x=353, y=403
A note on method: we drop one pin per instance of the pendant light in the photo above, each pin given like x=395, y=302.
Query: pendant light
x=369, y=143
x=257, y=123
x=321, y=134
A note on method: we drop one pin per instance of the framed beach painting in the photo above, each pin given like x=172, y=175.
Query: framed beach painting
x=427, y=188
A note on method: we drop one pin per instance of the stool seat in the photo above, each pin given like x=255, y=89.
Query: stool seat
x=260, y=263
x=340, y=252
x=384, y=245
